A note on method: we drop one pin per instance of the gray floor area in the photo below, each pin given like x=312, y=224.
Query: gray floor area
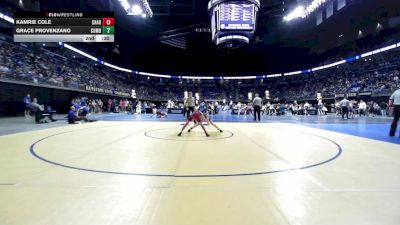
x=11, y=125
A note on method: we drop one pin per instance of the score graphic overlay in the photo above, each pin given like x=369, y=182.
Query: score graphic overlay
x=64, y=27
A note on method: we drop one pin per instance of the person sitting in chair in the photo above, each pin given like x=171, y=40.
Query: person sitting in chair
x=40, y=114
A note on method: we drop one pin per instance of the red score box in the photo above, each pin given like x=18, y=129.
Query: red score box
x=108, y=21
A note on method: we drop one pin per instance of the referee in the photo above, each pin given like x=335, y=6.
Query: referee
x=257, y=103
x=395, y=103
x=345, y=107
x=189, y=104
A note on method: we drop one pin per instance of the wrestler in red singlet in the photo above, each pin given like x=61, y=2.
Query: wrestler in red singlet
x=196, y=116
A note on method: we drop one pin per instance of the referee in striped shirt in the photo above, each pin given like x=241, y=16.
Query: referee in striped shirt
x=190, y=104
x=257, y=103
x=395, y=103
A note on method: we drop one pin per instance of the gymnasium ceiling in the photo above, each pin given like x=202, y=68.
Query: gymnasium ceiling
x=277, y=46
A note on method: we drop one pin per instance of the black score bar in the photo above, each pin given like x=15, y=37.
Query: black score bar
x=54, y=15
x=60, y=22
x=61, y=30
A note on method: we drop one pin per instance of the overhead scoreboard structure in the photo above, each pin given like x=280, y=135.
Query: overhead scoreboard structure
x=237, y=16
x=64, y=27
x=233, y=22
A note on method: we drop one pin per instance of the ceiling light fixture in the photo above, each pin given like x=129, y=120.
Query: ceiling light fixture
x=301, y=12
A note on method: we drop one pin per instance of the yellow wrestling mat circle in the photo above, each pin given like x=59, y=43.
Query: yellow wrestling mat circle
x=144, y=152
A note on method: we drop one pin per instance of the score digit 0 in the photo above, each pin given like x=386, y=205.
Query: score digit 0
x=108, y=21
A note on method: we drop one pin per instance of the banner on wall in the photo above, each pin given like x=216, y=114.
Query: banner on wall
x=175, y=111
x=369, y=93
x=352, y=94
x=106, y=91
x=339, y=95
x=341, y=4
x=329, y=9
